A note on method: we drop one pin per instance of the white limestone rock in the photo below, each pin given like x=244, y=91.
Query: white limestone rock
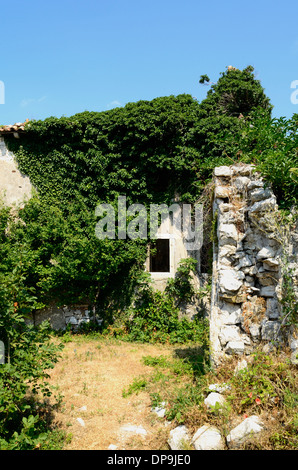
x=235, y=347
x=242, y=169
x=271, y=264
x=263, y=206
x=230, y=280
x=229, y=333
x=160, y=411
x=255, y=331
x=208, y=438
x=267, y=252
x=230, y=314
x=222, y=192
x=244, y=431
x=227, y=234
x=255, y=184
x=241, y=182
x=215, y=399
x=244, y=262
x=222, y=171
x=179, y=438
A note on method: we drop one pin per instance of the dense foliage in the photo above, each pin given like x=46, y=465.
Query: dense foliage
x=155, y=316
x=149, y=151
x=29, y=354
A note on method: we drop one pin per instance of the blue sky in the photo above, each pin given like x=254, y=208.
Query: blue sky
x=63, y=57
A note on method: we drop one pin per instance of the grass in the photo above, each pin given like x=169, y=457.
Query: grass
x=117, y=382
x=267, y=387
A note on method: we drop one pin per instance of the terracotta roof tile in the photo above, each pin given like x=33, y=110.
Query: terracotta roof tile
x=17, y=127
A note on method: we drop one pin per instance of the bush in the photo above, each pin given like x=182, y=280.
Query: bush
x=29, y=354
x=156, y=315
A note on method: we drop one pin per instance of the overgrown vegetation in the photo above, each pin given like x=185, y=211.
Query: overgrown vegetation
x=155, y=316
x=149, y=152
x=24, y=390
x=266, y=387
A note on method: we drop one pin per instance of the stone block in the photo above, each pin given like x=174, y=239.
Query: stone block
x=222, y=171
x=255, y=184
x=235, y=347
x=272, y=309
x=208, y=438
x=179, y=438
x=263, y=206
x=266, y=253
x=267, y=291
x=271, y=331
x=229, y=333
x=230, y=314
x=222, y=192
x=271, y=264
x=241, y=183
x=230, y=280
x=260, y=194
x=244, y=431
x=214, y=399
x=227, y=234
x=267, y=278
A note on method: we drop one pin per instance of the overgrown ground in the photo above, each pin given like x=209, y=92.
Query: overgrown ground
x=107, y=383
x=92, y=377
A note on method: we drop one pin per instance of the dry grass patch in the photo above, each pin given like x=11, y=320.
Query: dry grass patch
x=91, y=376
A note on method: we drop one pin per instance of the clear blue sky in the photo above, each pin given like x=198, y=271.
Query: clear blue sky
x=67, y=56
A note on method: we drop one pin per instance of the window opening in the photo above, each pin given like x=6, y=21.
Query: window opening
x=160, y=259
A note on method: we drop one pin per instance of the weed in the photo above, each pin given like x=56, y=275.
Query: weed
x=137, y=385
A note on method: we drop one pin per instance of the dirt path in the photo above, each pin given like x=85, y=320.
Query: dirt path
x=91, y=377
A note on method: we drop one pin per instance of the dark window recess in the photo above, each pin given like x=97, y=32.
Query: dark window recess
x=160, y=261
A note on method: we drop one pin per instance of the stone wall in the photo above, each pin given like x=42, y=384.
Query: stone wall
x=14, y=186
x=62, y=317
x=247, y=274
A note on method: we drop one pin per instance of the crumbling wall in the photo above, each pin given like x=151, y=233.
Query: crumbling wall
x=60, y=317
x=14, y=186
x=247, y=275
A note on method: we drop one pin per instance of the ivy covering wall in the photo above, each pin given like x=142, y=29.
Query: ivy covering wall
x=148, y=151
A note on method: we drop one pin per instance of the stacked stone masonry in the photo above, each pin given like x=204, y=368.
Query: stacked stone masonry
x=245, y=303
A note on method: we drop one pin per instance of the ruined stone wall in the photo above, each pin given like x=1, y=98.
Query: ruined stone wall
x=14, y=186
x=62, y=317
x=247, y=275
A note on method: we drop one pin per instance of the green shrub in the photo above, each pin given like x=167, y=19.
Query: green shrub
x=29, y=354
x=156, y=316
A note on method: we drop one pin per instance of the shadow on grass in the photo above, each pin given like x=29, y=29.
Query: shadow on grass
x=197, y=357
